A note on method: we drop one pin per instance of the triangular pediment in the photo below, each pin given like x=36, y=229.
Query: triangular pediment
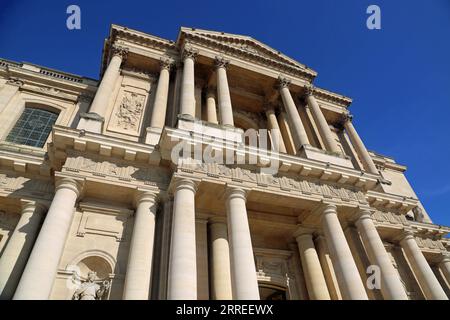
x=244, y=43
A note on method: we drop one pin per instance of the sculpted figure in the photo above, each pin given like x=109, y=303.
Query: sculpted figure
x=91, y=289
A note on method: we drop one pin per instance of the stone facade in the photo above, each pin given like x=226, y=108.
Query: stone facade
x=107, y=208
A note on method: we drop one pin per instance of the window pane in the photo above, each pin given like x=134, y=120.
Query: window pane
x=33, y=127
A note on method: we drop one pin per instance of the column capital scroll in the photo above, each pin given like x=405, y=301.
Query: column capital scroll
x=221, y=62
x=309, y=90
x=283, y=82
x=117, y=50
x=189, y=52
x=166, y=63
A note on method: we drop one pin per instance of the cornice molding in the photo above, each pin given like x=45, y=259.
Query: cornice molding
x=277, y=64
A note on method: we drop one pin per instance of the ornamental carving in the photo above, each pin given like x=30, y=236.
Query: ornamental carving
x=283, y=82
x=389, y=218
x=120, y=51
x=10, y=183
x=309, y=90
x=15, y=82
x=189, y=52
x=290, y=184
x=221, y=62
x=427, y=243
x=166, y=63
x=130, y=111
x=120, y=170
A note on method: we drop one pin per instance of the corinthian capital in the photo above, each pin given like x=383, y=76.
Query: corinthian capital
x=120, y=51
x=221, y=62
x=166, y=63
x=283, y=82
x=309, y=90
x=344, y=118
x=189, y=52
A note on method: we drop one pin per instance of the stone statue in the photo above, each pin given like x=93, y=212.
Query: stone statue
x=91, y=289
x=418, y=214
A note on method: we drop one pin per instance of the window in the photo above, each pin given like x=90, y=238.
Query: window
x=33, y=127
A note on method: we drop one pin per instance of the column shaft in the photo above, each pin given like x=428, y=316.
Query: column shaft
x=220, y=262
x=360, y=148
x=99, y=104
x=298, y=130
x=187, y=106
x=422, y=270
x=391, y=286
x=315, y=280
x=18, y=248
x=275, y=132
x=223, y=93
x=40, y=272
x=211, y=112
x=286, y=133
x=350, y=283
x=243, y=270
x=97, y=110
x=183, y=260
x=444, y=265
x=158, y=116
x=324, y=128
x=140, y=258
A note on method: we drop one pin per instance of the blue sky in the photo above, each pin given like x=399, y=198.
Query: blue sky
x=398, y=77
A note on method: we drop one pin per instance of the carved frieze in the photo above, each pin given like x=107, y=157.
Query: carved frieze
x=390, y=218
x=117, y=169
x=427, y=243
x=11, y=183
x=294, y=184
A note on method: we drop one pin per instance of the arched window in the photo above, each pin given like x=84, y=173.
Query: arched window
x=33, y=127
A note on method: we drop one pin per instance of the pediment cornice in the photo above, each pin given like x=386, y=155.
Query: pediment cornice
x=248, y=49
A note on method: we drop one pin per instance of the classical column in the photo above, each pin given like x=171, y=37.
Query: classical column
x=40, y=272
x=444, y=265
x=158, y=116
x=322, y=124
x=201, y=235
x=298, y=130
x=286, y=133
x=315, y=280
x=183, y=261
x=187, y=103
x=350, y=283
x=18, y=248
x=223, y=92
x=211, y=112
x=243, y=270
x=391, y=286
x=220, y=262
x=422, y=270
x=140, y=256
x=93, y=120
x=359, y=146
x=275, y=132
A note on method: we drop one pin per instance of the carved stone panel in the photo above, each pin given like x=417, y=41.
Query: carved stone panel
x=128, y=113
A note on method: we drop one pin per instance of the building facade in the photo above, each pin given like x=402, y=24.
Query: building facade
x=208, y=167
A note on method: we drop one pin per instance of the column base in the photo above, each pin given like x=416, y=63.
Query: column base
x=153, y=135
x=91, y=122
x=309, y=152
